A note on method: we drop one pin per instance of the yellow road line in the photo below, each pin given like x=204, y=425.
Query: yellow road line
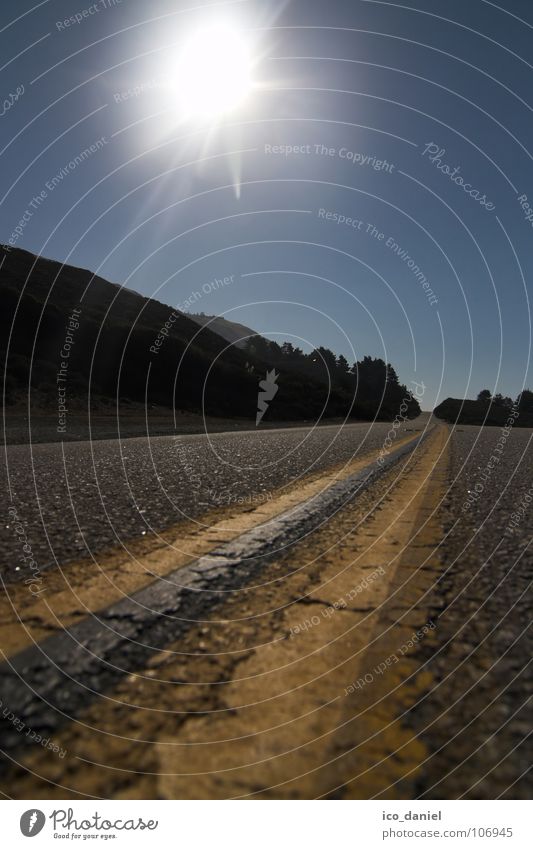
x=84, y=586
x=263, y=706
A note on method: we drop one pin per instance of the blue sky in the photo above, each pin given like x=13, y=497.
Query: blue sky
x=367, y=111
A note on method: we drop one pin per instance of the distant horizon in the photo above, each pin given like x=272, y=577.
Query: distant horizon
x=210, y=315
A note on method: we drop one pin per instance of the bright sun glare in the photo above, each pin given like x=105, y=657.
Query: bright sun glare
x=213, y=73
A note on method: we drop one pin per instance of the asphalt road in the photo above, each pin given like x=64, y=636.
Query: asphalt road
x=447, y=718
x=125, y=635
x=479, y=718
x=77, y=498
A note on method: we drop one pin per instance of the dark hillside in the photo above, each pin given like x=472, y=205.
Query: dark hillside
x=72, y=335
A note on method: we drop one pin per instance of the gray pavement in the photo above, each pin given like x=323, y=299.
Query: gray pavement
x=102, y=648
x=77, y=498
x=477, y=719
x=474, y=716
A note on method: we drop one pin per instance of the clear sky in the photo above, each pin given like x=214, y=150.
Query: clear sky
x=384, y=154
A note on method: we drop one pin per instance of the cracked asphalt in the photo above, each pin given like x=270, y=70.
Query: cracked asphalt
x=259, y=697
x=74, y=666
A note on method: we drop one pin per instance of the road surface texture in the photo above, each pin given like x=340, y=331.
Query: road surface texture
x=76, y=498
x=340, y=627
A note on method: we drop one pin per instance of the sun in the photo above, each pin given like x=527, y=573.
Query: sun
x=213, y=72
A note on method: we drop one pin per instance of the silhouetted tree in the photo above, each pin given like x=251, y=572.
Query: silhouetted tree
x=500, y=401
x=524, y=403
x=291, y=353
x=343, y=366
